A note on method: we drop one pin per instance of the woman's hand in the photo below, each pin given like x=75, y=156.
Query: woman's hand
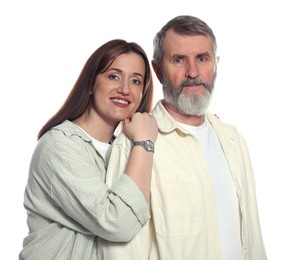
x=141, y=126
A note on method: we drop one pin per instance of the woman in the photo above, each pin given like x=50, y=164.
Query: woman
x=69, y=206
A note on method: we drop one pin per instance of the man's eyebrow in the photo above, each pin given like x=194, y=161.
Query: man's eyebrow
x=206, y=53
x=176, y=55
x=182, y=56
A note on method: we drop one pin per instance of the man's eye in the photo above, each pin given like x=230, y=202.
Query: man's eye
x=178, y=60
x=202, y=58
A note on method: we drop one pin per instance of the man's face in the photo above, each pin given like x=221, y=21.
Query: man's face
x=188, y=72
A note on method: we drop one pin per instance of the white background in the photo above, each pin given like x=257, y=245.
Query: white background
x=44, y=45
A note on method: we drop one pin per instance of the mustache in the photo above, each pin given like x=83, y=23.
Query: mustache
x=195, y=81
x=192, y=81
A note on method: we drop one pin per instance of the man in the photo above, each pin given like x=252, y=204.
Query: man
x=203, y=200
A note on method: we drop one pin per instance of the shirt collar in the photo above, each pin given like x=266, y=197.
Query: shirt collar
x=70, y=129
x=167, y=123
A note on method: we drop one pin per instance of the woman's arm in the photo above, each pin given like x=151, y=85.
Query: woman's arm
x=141, y=127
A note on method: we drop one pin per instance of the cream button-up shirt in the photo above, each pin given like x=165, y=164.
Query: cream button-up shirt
x=184, y=223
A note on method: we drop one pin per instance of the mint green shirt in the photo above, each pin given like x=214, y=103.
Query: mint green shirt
x=68, y=204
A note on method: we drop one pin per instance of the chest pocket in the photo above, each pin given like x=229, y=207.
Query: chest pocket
x=178, y=194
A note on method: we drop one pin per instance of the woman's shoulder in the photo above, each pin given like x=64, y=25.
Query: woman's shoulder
x=63, y=136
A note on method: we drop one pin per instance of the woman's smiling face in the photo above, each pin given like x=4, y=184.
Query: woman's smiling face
x=117, y=92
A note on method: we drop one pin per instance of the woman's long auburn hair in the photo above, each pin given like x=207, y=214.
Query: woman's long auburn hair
x=78, y=99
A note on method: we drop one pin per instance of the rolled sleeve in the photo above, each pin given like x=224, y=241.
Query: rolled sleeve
x=128, y=192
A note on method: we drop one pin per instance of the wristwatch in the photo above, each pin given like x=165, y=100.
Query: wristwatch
x=147, y=145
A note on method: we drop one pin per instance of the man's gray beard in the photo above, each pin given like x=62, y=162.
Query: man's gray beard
x=193, y=105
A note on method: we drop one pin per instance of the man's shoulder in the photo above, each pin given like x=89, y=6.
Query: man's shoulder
x=218, y=121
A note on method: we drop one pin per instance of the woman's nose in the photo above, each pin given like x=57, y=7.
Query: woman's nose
x=124, y=88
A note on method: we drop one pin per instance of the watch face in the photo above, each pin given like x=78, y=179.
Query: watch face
x=149, y=145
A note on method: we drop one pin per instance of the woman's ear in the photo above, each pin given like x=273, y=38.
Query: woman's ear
x=157, y=71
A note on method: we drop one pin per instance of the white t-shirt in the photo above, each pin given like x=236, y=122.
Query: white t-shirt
x=100, y=146
x=226, y=197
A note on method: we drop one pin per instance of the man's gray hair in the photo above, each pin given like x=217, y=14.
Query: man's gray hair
x=183, y=25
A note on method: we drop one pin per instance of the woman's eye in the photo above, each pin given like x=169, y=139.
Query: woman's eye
x=113, y=77
x=136, y=81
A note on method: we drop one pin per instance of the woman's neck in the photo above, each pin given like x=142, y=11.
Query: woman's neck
x=96, y=127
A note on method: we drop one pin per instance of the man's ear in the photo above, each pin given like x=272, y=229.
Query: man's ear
x=157, y=71
x=217, y=59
